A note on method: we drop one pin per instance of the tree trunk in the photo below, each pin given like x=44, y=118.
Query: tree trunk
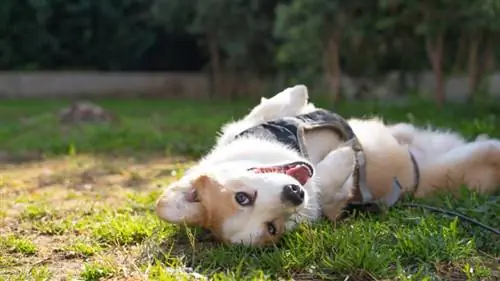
x=461, y=53
x=489, y=56
x=215, y=65
x=473, y=64
x=434, y=46
x=486, y=61
x=332, y=65
x=435, y=53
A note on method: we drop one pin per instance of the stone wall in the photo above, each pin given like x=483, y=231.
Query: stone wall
x=91, y=84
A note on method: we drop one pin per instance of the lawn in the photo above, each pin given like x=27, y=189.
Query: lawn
x=76, y=203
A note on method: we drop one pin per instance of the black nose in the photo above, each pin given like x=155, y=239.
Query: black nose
x=293, y=194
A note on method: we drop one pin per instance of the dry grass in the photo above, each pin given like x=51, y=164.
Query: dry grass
x=48, y=204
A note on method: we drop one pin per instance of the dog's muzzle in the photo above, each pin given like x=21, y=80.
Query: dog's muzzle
x=293, y=194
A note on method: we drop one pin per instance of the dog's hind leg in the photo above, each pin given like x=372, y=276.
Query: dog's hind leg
x=475, y=165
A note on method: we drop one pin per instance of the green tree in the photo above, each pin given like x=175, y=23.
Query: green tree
x=481, y=27
x=228, y=28
x=313, y=33
x=333, y=38
x=432, y=20
x=108, y=35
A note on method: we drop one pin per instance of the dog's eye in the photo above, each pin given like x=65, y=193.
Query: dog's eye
x=243, y=199
x=271, y=228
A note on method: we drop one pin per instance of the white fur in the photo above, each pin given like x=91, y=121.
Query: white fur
x=440, y=154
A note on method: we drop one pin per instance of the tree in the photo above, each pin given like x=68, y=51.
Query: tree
x=228, y=28
x=50, y=34
x=432, y=20
x=314, y=31
x=481, y=27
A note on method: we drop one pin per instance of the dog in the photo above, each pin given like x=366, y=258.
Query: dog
x=287, y=162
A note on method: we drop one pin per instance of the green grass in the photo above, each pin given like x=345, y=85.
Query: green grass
x=77, y=203
x=14, y=244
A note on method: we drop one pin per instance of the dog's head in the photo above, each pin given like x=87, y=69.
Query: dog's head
x=252, y=206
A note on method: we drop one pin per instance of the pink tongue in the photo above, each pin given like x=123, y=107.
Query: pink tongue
x=300, y=173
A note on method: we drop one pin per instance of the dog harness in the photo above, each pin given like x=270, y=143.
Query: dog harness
x=291, y=131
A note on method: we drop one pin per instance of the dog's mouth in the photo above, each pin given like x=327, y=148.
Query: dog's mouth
x=300, y=170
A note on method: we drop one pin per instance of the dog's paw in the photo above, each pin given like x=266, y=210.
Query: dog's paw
x=482, y=137
x=310, y=107
x=294, y=97
x=342, y=162
x=289, y=102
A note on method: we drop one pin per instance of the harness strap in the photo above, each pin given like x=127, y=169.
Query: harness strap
x=366, y=197
x=291, y=131
x=416, y=172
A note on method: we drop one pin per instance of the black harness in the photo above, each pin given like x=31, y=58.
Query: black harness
x=291, y=131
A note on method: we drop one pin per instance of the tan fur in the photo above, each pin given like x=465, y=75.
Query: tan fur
x=446, y=162
x=211, y=194
x=385, y=157
x=210, y=212
x=479, y=171
x=268, y=239
x=448, y=168
x=218, y=206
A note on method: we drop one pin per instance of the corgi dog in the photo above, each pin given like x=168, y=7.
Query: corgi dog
x=287, y=162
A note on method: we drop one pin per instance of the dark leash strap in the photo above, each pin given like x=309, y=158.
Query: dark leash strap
x=451, y=213
x=374, y=208
x=440, y=210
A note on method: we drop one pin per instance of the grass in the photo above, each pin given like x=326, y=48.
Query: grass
x=76, y=203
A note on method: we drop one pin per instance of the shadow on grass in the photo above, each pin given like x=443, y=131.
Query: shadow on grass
x=31, y=130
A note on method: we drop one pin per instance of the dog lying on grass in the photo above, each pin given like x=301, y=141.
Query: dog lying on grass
x=288, y=162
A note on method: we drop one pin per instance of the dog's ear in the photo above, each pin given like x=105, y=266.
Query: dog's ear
x=262, y=99
x=182, y=204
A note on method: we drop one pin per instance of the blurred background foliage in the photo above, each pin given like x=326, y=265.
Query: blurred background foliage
x=292, y=39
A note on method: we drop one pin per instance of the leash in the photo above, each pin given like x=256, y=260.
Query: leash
x=441, y=210
x=452, y=213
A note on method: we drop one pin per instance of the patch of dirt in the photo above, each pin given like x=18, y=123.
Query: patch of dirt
x=450, y=272
x=69, y=186
x=361, y=276
x=455, y=271
x=44, y=257
x=17, y=158
x=85, y=112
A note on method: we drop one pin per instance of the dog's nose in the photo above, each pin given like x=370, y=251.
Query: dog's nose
x=293, y=194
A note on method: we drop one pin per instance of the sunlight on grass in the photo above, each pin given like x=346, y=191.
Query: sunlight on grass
x=124, y=229
x=96, y=271
x=15, y=244
x=85, y=207
x=83, y=248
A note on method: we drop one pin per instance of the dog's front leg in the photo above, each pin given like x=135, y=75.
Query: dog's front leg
x=289, y=102
x=333, y=177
